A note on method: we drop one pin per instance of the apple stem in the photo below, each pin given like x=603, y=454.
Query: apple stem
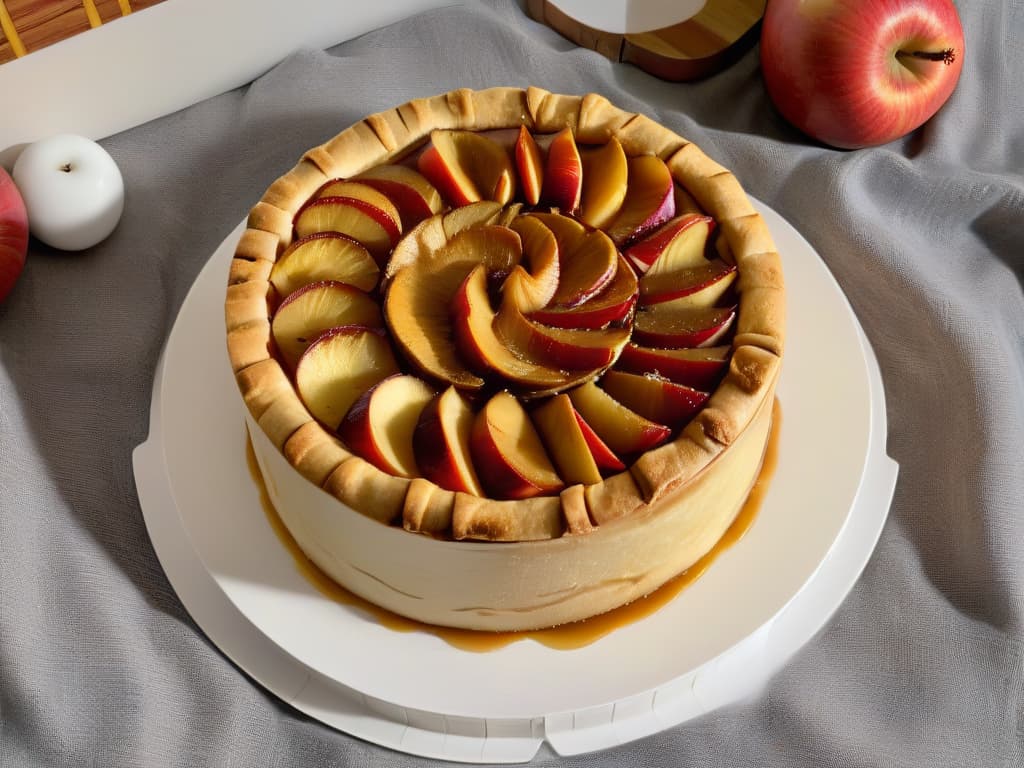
x=66, y=168
x=947, y=56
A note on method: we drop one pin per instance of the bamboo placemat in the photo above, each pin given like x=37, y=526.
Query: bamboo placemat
x=29, y=25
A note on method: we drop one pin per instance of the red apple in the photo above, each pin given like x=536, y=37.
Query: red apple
x=858, y=73
x=678, y=244
x=13, y=234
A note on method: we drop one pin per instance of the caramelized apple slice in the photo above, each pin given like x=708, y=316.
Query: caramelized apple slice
x=650, y=200
x=508, y=453
x=678, y=245
x=363, y=222
x=700, y=368
x=563, y=173
x=441, y=443
x=379, y=426
x=316, y=307
x=605, y=176
x=467, y=166
x=562, y=430
x=533, y=284
x=701, y=286
x=587, y=260
x=359, y=191
x=566, y=348
x=339, y=366
x=654, y=398
x=530, y=165
x=612, y=306
x=433, y=234
x=324, y=256
x=480, y=347
x=663, y=325
x=626, y=432
x=415, y=198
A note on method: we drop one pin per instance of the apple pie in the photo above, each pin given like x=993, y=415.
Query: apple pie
x=508, y=356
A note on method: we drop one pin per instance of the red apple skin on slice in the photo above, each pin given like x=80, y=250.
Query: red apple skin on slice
x=508, y=453
x=441, y=443
x=603, y=456
x=700, y=368
x=363, y=222
x=605, y=176
x=558, y=425
x=467, y=167
x=563, y=173
x=662, y=325
x=313, y=309
x=530, y=165
x=587, y=260
x=624, y=431
x=324, y=256
x=702, y=286
x=650, y=200
x=678, y=244
x=415, y=198
x=656, y=399
x=357, y=190
x=380, y=424
x=610, y=307
x=338, y=367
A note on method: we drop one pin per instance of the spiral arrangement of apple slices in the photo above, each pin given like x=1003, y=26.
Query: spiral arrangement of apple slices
x=504, y=314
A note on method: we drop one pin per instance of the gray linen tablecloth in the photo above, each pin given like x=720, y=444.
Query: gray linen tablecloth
x=923, y=665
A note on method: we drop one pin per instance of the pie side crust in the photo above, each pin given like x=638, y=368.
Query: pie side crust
x=661, y=480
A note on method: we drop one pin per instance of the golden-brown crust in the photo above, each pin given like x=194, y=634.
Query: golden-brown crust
x=702, y=185
x=314, y=452
x=525, y=520
x=428, y=508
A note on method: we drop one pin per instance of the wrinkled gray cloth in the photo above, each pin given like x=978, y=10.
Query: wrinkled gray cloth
x=923, y=664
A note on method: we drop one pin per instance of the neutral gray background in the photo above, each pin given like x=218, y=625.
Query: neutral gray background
x=923, y=665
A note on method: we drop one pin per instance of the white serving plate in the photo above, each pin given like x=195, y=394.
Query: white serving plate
x=719, y=640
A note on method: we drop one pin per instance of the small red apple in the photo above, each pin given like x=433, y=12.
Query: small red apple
x=13, y=234
x=859, y=73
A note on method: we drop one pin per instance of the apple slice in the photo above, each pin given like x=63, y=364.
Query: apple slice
x=567, y=348
x=415, y=198
x=654, y=398
x=563, y=173
x=324, y=256
x=508, y=453
x=380, y=424
x=701, y=368
x=356, y=190
x=363, y=222
x=612, y=306
x=571, y=447
x=605, y=178
x=650, y=200
x=316, y=307
x=679, y=244
x=702, y=286
x=530, y=165
x=339, y=366
x=441, y=443
x=479, y=345
x=587, y=260
x=534, y=282
x=466, y=167
x=663, y=325
x=624, y=431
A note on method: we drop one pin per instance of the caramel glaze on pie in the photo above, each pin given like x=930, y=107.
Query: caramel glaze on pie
x=562, y=557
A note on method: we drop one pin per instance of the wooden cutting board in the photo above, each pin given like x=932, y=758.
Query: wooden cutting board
x=28, y=25
x=718, y=35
